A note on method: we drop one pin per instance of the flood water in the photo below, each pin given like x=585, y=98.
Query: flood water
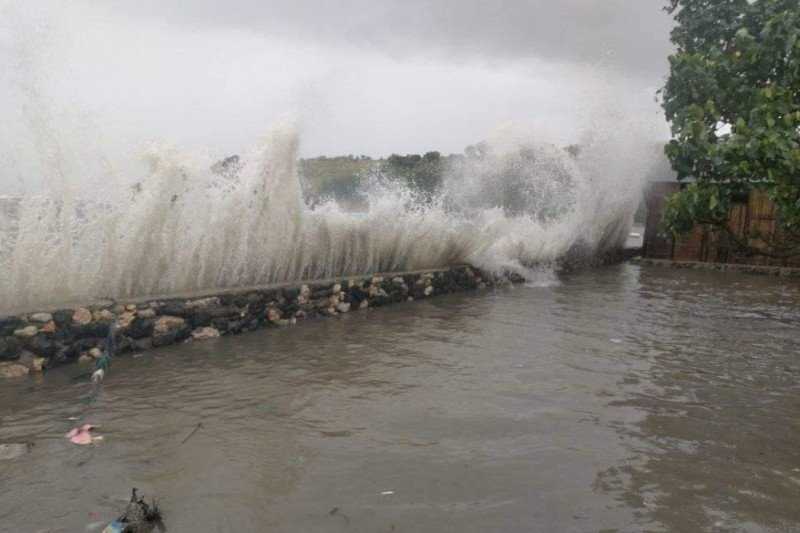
x=621, y=399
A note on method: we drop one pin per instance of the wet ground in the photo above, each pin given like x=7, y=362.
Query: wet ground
x=622, y=399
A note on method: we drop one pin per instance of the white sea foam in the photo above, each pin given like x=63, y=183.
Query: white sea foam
x=113, y=223
x=183, y=228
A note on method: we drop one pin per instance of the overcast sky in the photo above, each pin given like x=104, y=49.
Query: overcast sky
x=360, y=76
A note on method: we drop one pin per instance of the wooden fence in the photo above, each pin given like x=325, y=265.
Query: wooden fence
x=749, y=220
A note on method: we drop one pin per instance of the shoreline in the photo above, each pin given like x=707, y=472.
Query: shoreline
x=761, y=270
x=35, y=341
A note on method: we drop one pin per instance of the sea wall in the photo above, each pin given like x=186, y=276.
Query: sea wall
x=33, y=342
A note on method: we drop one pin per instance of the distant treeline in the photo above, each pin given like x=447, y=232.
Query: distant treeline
x=341, y=177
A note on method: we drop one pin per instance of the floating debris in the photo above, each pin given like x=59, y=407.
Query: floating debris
x=191, y=434
x=139, y=517
x=83, y=435
x=14, y=450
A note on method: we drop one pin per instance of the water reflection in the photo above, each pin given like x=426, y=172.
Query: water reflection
x=717, y=447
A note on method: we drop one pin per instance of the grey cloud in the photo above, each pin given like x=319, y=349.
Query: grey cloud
x=632, y=35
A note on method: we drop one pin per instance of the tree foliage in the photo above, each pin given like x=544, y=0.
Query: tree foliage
x=421, y=173
x=733, y=99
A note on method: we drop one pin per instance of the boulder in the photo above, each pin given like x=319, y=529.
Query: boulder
x=26, y=332
x=166, y=324
x=82, y=316
x=273, y=314
x=13, y=370
x=205, y=333
x=175, y=309
x=103, y=315
x=41, y=318
x=9, y=325
x=291, y=294
x=172, y=337
x=146, y=313
x=357, y=295
x=90, y=330
x=203, y=303
x=126, y=318
x=43, y=345
x=9, y=348
x=62, y=318
x=38, y=364
x=169, y=330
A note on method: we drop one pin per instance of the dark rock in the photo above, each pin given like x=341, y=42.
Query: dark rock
x=321, y=293
x=291, y=294
x=73, y=350
x=289, y=309
x=63, y=318
x=9, y=348
x=270, y=295
x=357, y=295
x=203, y=317
x=257, y=308
x=221, y=324
x=175, y=308
x=227, y=312
x=92, y=329
x=140, y=328
x=172, y=337
x=200, y=319
x=254, y=298
x=236, y=326
x=126, y=344
x=42, y=344
x=10, y=324
x=515, y=278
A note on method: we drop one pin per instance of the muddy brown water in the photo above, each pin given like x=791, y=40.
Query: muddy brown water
x=621, y=399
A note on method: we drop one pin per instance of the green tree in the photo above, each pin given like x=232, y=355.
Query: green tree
x=733, y=100
x=422, y=174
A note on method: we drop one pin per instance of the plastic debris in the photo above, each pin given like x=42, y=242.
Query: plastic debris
x=387, y=493
x=82, y=435
x=98, y=375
